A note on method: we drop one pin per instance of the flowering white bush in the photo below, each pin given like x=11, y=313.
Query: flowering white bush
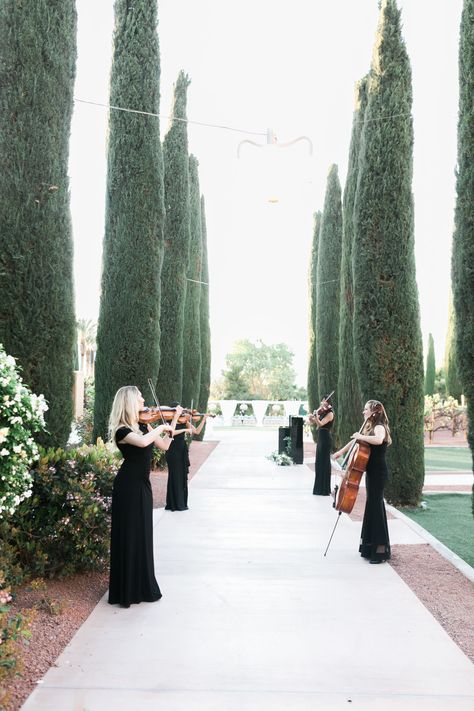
x=21, y=415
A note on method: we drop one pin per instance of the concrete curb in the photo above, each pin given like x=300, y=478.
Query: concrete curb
x=443, y=550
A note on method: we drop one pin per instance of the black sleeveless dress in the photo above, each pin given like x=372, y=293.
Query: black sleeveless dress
x=322, y=480
x=374, y=541
x=132, y=573
x=177, y=458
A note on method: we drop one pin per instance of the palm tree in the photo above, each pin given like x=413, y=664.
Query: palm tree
x=86, y=342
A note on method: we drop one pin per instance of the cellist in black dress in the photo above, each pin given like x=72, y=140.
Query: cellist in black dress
x=323, y=418
x=374, y=541
x=132, y=574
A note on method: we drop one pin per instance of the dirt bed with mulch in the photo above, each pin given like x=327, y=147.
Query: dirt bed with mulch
x=62, y=606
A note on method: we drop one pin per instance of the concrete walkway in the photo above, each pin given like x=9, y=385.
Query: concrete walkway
x=254, y=617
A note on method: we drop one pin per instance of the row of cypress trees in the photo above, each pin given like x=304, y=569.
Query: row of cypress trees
x=154, y=311
x=349, y=399
x=128, y=334
x=313, y=380
x=328, y=285
x=430, y=370
x=377, y=326
x=37, y=320
x=178, y=235
x=453, y=383
x=463, y=240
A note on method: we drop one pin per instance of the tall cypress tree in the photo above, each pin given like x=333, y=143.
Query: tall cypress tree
x=329, y=287
x=37, y=322
x=205, y=325
x=430, y=370
x=349, y=398
x=387, y=337
x=463, y=241
x=177, y=237
x=313, y=385
x=453, y=384
x=192, y=326
x=128, y=332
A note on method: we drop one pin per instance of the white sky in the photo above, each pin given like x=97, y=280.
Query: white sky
x=291, y=66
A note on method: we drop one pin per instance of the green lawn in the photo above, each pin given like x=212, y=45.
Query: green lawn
x=449, y=518
x=443, y=459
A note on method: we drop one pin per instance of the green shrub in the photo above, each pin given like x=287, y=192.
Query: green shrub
x=85, y=424
x=64, y=527
x=12, y=628
x=158, y=460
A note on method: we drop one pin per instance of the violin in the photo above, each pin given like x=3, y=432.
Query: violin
x=324, y=409
x=165, y=413
x=149, y=415
x=193, y=415
x=153, y=414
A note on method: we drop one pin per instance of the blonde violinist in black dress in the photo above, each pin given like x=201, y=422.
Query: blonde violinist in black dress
x=323, y=418
x=132, y=574
x=374, y=540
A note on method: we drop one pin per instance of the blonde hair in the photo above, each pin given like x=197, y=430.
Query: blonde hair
x=124, y=411
x=377, y=416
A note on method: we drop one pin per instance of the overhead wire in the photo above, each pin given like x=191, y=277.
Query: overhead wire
x=172, y=118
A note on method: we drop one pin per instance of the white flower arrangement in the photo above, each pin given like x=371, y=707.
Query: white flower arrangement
x=283, y=460
x=21, y=415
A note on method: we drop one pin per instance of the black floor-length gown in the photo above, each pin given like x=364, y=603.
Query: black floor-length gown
x=374, y=541
x=322, y=480
x=132, y=573
x=177, y=458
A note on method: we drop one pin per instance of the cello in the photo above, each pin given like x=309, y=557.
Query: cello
x=354, y=466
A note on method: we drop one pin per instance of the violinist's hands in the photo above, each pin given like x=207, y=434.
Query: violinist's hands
x=179, y=410
x=164, y=428
x=356, y=436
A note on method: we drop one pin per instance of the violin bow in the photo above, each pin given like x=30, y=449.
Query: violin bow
x=191, y=421
x=157, y=402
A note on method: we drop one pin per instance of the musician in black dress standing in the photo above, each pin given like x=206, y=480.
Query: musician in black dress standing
x=374, y=541
x=132, y=574
x=323, y=418
x=177, y=459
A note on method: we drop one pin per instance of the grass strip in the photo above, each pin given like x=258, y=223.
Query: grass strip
x=449, y=518
x=445, y=459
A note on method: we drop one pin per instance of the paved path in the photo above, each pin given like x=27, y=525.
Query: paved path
x=255, y=618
